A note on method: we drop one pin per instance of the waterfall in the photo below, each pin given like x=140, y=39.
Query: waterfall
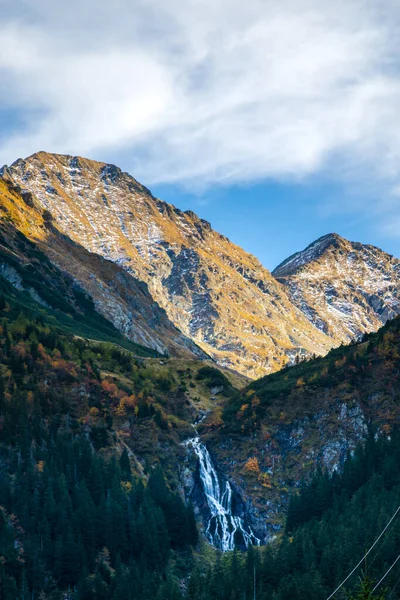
x=224, y=529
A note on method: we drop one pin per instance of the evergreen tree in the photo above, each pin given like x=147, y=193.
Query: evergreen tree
x=365, y=591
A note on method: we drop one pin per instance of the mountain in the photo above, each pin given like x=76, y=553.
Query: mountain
x=214, y=292
x=53, y=269
x=345, y=288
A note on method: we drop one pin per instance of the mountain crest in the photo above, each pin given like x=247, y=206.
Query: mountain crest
x=311, y=253
x=345, y=288
x=215, y=293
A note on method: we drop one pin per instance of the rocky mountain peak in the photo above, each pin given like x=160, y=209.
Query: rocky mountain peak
x=316, y=249
x=64, y=167
x=213, y=291
x=28, y=232
x=345, y=288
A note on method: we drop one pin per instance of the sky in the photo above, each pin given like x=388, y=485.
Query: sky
x=276, y=121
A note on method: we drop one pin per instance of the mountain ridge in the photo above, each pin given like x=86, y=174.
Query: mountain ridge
x=75, y=409
x=215, y=293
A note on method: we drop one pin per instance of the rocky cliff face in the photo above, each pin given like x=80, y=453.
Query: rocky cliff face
x=28, y=239
x=215, y=293
x=345, y=288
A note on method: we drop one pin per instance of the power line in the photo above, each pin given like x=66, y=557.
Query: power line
x=387, y=573
x=365, y=555
x=394, y=589
x=380, y=548
x=369, y=565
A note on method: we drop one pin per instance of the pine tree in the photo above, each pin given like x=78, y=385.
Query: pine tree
x=365, y=591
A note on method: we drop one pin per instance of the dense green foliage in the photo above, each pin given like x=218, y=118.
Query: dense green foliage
x=71, y=519
x=214, y=378
x=72, y=514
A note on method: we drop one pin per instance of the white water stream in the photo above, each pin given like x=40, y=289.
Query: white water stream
x=224, y=529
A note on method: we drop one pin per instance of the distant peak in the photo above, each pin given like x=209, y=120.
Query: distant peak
x=309, y=254
x=329, y=236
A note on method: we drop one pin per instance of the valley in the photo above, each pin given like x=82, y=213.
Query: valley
x=193, y=415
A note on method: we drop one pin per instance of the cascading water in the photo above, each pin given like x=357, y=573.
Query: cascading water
x=224, y=529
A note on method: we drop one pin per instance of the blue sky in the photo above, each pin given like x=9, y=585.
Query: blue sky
x=277, y=122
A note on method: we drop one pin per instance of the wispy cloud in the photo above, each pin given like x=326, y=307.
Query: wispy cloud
x=200, y=92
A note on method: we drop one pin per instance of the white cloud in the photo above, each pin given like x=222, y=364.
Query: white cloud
x=200, y=92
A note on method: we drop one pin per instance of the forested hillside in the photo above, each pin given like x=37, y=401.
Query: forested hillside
x=77, y=512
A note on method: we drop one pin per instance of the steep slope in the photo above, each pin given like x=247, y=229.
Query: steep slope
x=212, y=290
x=28, y=240
x=284, y=426
x=344, y=288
